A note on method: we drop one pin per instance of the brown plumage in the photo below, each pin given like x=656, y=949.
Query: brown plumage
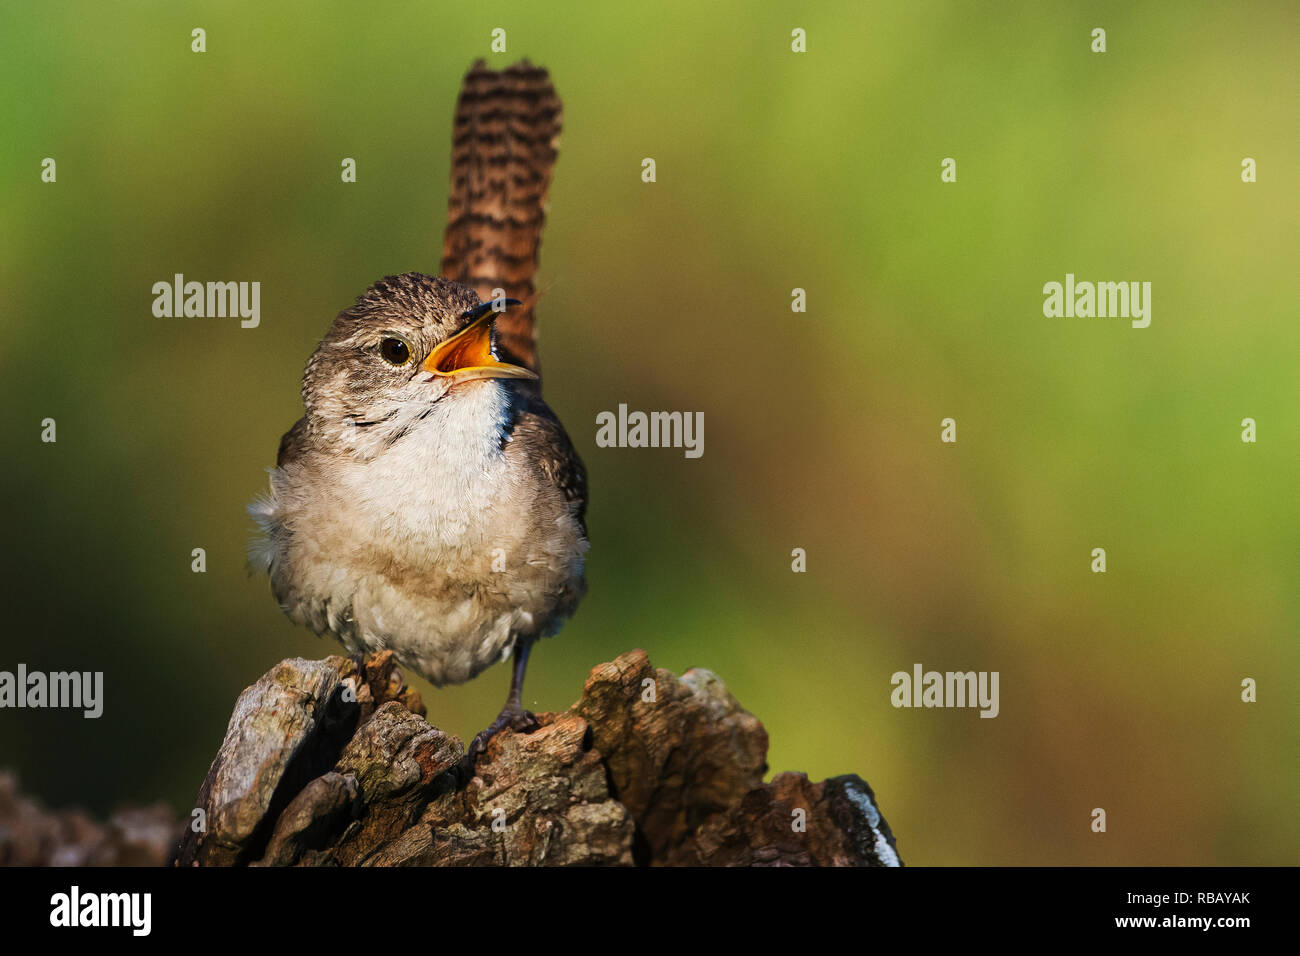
x=504, y=145
x=429, y=501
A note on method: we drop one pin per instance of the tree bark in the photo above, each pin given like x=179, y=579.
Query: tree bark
x=326, y=765
x=31, y=835
x=323, y=766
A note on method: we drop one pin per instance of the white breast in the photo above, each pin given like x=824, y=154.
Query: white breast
x=435, y=488
x=397, y=551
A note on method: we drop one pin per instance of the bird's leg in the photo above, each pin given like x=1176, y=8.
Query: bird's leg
x=359, y=659
x=512, y=714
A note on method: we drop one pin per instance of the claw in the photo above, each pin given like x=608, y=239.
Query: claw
x=512, y=717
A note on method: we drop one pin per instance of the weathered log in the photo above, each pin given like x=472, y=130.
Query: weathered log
x=31, y=835
x=323, y=765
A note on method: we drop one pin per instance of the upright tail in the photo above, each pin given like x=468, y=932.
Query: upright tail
x=504, y=145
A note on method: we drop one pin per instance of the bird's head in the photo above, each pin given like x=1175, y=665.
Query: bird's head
x=409, y=343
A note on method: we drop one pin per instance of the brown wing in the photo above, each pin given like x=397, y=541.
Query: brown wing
x=292, y=443
x=504, y=147
x=538, y=434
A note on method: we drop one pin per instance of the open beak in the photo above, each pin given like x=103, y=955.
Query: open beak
x=467, y=355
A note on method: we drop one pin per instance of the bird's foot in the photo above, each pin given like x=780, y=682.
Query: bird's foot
x=513, y=717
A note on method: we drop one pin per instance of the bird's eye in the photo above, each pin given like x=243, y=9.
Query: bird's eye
x=395, y=351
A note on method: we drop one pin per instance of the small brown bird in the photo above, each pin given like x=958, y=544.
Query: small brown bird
x=429, y=502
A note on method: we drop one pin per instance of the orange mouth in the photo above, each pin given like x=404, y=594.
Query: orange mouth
x=467, y=356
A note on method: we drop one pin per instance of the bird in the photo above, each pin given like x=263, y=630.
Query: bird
x=428, y=501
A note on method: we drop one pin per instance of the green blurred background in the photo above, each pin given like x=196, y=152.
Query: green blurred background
x=775, y=171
